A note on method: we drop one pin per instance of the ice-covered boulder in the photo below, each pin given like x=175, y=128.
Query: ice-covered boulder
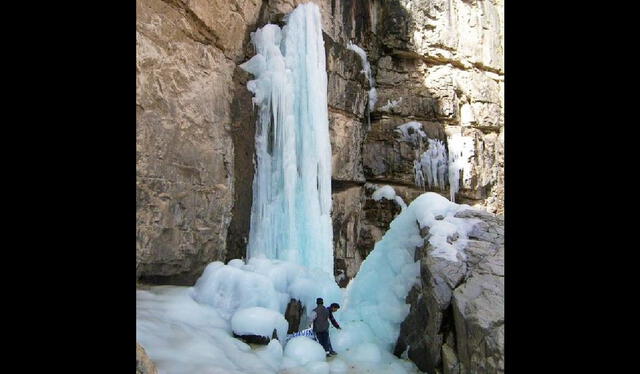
x=455, y=323
x=260, y=322
x=301, y=350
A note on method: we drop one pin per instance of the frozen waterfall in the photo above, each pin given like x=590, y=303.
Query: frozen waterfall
x=192, y=330
x=290, y=215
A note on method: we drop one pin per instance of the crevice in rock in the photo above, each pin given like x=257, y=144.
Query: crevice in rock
x=351, y=115
x=243, y=136
x=432, y=60
x=343, y=185
x=390, y=182
x=206, y=35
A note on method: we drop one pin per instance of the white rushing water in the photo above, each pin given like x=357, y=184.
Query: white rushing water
x=290, y=215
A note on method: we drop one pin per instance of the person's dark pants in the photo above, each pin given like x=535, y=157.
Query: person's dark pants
x=323, y=339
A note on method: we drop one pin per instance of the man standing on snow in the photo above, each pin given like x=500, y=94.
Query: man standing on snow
x=321, y=317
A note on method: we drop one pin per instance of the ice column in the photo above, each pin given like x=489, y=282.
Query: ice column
x=433, y=164
x=290, y=215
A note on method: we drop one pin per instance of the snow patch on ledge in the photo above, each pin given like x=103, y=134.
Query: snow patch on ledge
x=387, y=192
x=390, y=105
x=411, y=132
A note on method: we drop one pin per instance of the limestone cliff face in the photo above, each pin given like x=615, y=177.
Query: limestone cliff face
x=440, y=61
x=441, y=64
x=186, y=120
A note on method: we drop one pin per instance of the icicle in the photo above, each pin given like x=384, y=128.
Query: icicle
x=460, y=151
x=366, y=70
x=433, y=163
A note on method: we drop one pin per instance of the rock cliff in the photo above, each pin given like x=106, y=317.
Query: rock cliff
x=438, y=63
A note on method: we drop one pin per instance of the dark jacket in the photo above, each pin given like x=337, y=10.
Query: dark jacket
x=323, y=316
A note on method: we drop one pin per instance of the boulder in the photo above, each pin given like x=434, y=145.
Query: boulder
x=456, y=318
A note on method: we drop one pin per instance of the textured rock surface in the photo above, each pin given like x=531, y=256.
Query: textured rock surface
x=376, y=219
x=478, y=304
x=144, y=365
x=443, y=63
x=186, y=63
x=457, y=311
x=387, y=158
x=347, y=216
x=293, y=314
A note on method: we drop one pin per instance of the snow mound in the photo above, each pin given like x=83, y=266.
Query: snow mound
x=264, y=283
x=302, y=350
x=375, y=299
x=259, y=321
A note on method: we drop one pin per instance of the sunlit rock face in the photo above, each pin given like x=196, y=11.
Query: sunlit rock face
x=443, y=63
x=186, y=74
x=438, y=63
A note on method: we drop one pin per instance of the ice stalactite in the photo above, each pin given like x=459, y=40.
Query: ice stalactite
x=290, y=215
x=461, y=149
x=433, y=165
x=441, y=165
x=366, y=70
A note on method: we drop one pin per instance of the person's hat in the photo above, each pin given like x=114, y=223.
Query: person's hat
x=319, y=301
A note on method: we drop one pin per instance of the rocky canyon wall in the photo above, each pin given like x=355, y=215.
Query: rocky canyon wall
x=440, y=61
x=193, y=129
